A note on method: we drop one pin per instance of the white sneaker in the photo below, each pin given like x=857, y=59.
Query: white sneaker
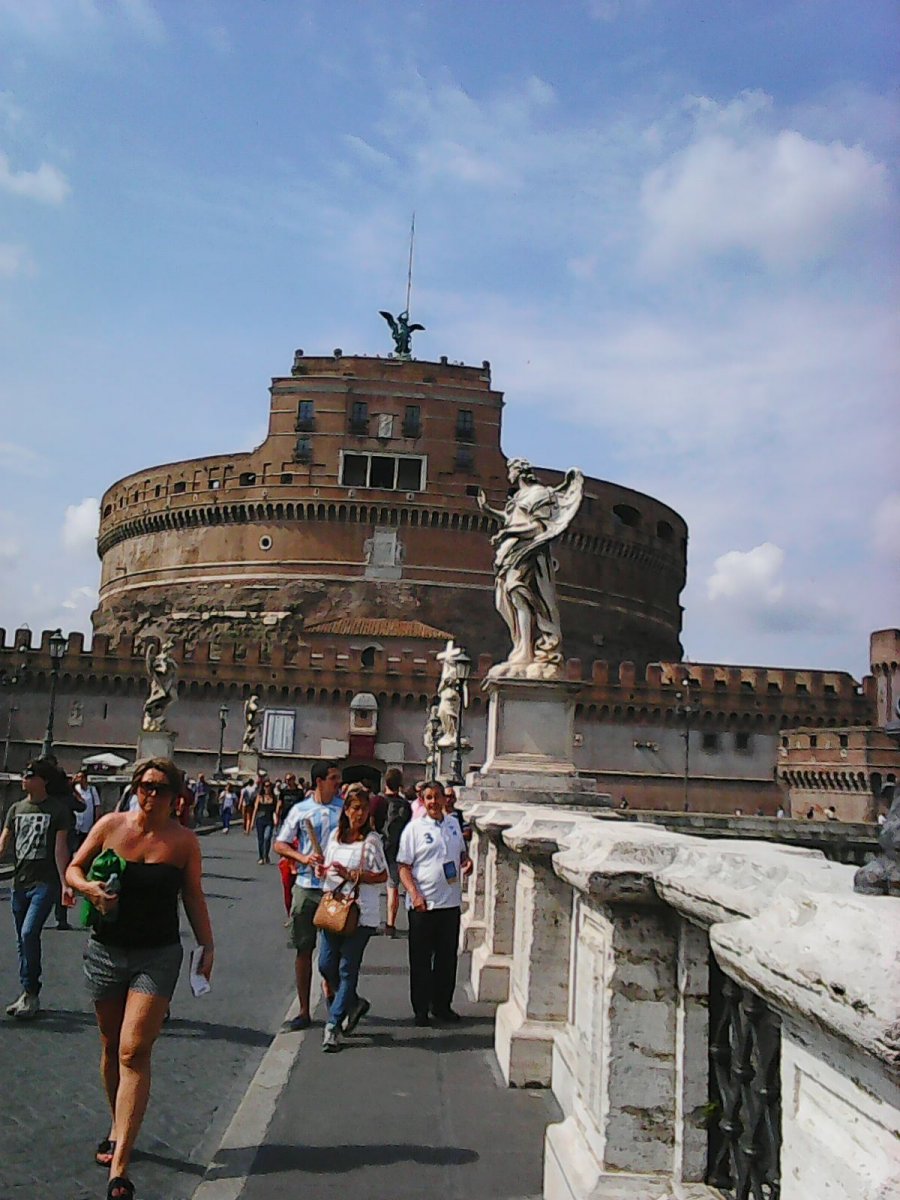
x=30, y=1007
x=331, y=1039
x=12, y=1010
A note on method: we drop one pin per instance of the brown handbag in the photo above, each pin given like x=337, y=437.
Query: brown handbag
x=338, y=911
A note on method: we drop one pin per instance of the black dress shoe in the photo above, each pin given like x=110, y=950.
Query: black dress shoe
x=421, y=1019
x=446, y=1016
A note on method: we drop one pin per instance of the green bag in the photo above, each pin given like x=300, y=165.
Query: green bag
x=106, y=868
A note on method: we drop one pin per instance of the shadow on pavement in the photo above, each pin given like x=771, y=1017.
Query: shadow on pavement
x=323, y=1160
x=165, y=1160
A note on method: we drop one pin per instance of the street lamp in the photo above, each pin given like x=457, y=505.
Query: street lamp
x=223, y=721
x=686, y=711
x=58, y=646
x=463, y=671
x=434, y=732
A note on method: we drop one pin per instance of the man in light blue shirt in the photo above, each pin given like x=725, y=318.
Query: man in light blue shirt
x=309, y=824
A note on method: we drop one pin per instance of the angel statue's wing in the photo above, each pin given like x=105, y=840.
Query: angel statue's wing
x=413, y=328
x=389, y=317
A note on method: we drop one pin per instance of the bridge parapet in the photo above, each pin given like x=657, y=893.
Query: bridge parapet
x=715, y=1018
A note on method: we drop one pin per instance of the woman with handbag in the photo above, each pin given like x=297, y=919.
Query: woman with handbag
x=348, y=916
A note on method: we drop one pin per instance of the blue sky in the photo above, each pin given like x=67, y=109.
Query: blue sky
x=671, y=227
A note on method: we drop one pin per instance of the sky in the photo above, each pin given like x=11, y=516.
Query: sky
x=670, y=226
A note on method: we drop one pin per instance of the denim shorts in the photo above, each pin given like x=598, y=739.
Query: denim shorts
x=114, y=970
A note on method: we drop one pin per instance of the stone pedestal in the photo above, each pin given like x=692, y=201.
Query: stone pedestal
x=530, y=745
x=248, y=763
x=160, y=744
x=492, y=960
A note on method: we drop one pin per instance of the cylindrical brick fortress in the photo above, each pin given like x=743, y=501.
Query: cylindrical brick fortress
x=361, y=503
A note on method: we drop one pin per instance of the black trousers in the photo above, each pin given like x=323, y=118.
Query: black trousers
x=433, y=944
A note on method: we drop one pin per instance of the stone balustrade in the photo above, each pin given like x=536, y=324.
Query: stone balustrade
x=715, y=1019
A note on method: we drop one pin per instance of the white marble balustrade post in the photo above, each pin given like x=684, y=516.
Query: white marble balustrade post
x=472, y=927
x=491, y=961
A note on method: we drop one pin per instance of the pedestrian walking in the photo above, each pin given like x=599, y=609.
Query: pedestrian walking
x=227, y=805
x=432, y=858
x=37, y=827
x=202, y=793
x=263, y=819
x=398, y=815
x=354, y=859
x=303, y=834
x=133, y=957
x=248, y=798
x=84, y=821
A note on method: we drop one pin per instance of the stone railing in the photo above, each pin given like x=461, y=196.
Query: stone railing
x=715, y=1019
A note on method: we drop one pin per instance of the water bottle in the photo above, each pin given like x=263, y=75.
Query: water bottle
x=113, y=886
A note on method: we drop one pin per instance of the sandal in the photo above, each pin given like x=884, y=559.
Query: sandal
x=103, y=1155
x=120, y=1188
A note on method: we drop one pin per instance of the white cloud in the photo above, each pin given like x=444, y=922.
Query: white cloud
x=750, y=576
x=22, y=460
x=80, y=525
x=736, y=186
x=10, y=550
x=79, y=598
x=47, y=184
x=14, y=260
x=886, y=527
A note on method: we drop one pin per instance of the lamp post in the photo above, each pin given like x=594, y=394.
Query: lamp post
x=463, y=670
x=58, y=645
x=686, y=711
x=223, y=721
x=434, y=732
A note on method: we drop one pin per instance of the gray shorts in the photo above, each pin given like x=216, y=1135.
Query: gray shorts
x=304, y=902
x=114, y=970
x=393, y=873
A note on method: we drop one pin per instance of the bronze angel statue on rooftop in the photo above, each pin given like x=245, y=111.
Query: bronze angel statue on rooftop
x=401, y=332
x=525, y=587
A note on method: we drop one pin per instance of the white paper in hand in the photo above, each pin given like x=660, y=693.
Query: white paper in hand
x=200, y=985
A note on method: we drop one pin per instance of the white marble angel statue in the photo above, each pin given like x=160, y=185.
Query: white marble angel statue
x=252, y=722
x=163, y=673
x=448, y=690
x=525, y=588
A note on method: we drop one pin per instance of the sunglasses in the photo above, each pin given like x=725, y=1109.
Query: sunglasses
x=155, y=789
x=29, y=774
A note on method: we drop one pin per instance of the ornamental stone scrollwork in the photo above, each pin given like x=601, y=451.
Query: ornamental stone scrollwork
x=525, y=585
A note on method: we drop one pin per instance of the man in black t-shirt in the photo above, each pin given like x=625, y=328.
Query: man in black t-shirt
x=37, y=828
x=397, y=815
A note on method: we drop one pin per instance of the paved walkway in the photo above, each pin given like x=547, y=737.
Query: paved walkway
x=400, y=1113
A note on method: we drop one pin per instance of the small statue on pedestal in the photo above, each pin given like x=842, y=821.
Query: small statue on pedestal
x=163, y=672
x=401, y=332
x=252, y=722
x=525, y=587
x=453, y=695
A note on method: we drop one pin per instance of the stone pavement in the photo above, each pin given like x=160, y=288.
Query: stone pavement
x=399, y=1114
x=54, y=1111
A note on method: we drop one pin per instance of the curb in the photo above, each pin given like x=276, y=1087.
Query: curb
x=247, y=1130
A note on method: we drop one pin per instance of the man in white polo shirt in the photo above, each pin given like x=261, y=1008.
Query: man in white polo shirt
x=431, y=859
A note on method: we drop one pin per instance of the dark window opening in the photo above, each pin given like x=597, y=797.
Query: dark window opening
x=746, y=685
x=465, y=460
x=720, y=685
x=664, y=531
x=472, y=489
x=409, y=474
x=773, y=689
x=813, y=742
x=626, y=515
x=465, y=425
x=710, y=742
x=359, y=417
x=287, y=477
x=802, y=689
x=830, y=689
x=303, y=450
x=843, y=741
x=412, y=421
x=381, y=473
x=179, y=487
x=354, y=470
x=367, y=658
x=247, y=478
x=306, y=415
x=742, y=741
x=108, y=509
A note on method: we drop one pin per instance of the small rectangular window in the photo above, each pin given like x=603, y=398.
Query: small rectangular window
x=813, y=742
x=287, y=477
x=355, y=470
x=247, y=478
x=303, y=450
x=179, y=487
x=278, y=731
x=843, y=741
x=359, y=417
x=465, y=460
x=802, y=689
x=465, y=425
x=412, y=421
x=306, y=415
x=710, y=742
x=830, y=689
x=382, y=471
x=215, y=484
x=409, y=474
x=385, y=425
x=157, y=490
x=742, y=741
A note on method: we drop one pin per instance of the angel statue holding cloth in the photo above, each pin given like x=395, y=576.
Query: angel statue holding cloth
x=525, y=588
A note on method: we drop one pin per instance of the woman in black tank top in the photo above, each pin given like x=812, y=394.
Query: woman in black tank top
x=133, y=957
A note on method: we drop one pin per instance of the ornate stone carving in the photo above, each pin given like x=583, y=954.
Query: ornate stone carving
x=881, y=876
x=525, y=587
x=450, y=701
x=252, y=722
x=163, y=673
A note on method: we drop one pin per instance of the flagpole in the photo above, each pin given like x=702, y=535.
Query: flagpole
x=412, y=238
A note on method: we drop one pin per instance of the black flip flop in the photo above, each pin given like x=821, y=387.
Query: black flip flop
x=120, y=1188
x=106, y=1148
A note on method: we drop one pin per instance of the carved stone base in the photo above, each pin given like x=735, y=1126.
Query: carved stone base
x=156, y=745
x=524, y=1048
x=530, y=746
x=248, y=763
x=490, y=975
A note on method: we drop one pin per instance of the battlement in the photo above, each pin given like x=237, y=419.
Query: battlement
x=329, y=665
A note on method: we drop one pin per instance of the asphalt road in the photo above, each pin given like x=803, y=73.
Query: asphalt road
x=53, y=1108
